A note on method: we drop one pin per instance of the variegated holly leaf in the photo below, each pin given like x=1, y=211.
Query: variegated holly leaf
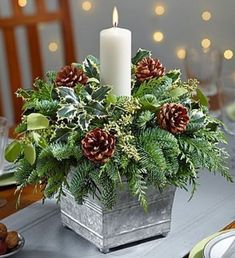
x=95, y=109
x=101, y=93
x=174, y=75
x=91, y=67
x=67, y=95
x=84, y=120
x=141, y=53
x=67, y=111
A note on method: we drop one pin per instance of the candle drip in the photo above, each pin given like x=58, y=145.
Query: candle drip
x=115, y=17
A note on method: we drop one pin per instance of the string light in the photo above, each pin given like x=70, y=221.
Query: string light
x=53, y=46
x=181, y=53
x=160, y=10
x=206, y=43
x=206, y=15
x=22, y=3
x=86, y=6
x=158, y=36
x=228, y=54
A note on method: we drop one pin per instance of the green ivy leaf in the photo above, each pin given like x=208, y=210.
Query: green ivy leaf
x=36, y=121
x=12, y=151
x=30, y=153
x=141, y=53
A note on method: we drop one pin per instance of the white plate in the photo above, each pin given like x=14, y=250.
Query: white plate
x=16, y=249
x=221, y=246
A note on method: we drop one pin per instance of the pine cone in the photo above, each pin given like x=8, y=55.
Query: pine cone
x=173, y=118
x=98, y=146
x=69, y=76
x=149, y=68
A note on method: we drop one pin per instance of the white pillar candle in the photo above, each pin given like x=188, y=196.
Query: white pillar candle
x=115, y=58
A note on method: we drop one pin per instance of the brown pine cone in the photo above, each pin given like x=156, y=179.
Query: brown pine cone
x=149, y=68
x=98, y=146
x=173, y=117
x=69, y=76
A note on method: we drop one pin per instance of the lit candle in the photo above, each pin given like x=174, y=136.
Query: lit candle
x=115, y=58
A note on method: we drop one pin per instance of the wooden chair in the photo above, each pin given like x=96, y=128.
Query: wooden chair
x=30, y=22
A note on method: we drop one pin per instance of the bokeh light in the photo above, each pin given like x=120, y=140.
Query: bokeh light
x=159, y=9
x=181, y=53
x=205, y=43
x=86, y=6
x=53, y=46
x=228, y=54
x=206, y=16
x=158, y=36
x=22, y=3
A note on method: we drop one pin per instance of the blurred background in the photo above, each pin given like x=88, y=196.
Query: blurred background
x=169, y=28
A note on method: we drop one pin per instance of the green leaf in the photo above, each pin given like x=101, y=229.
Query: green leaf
x=202, y=98
x=95, y=108
x=30, y=153
x=197, y=120
x=67, y=95
x=174, y=75
x=84, y=120
x=141, y=53
x=101, y=93
x=177, y=92
x=12, y=151
x=111, y=99
x=67, y=111
x=149, y=102
x=36, y=121
x=91, y=67
x=93, y=80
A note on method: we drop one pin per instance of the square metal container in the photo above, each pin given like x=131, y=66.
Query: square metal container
x=127, y=222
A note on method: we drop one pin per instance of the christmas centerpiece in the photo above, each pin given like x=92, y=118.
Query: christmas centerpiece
x=120, y=155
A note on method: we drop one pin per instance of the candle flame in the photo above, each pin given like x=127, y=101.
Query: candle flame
x=115, y=17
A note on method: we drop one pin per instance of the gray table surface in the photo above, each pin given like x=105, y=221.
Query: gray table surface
x=212, y=207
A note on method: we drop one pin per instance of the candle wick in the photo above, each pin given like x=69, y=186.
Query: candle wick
x=115, y=25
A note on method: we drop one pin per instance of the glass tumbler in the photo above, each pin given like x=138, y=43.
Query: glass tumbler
x=205, y=65
x=3, y=142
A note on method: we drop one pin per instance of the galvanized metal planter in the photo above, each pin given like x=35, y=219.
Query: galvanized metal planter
x=125, y=223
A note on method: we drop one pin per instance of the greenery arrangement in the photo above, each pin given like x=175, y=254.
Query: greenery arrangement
x=160, y=136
